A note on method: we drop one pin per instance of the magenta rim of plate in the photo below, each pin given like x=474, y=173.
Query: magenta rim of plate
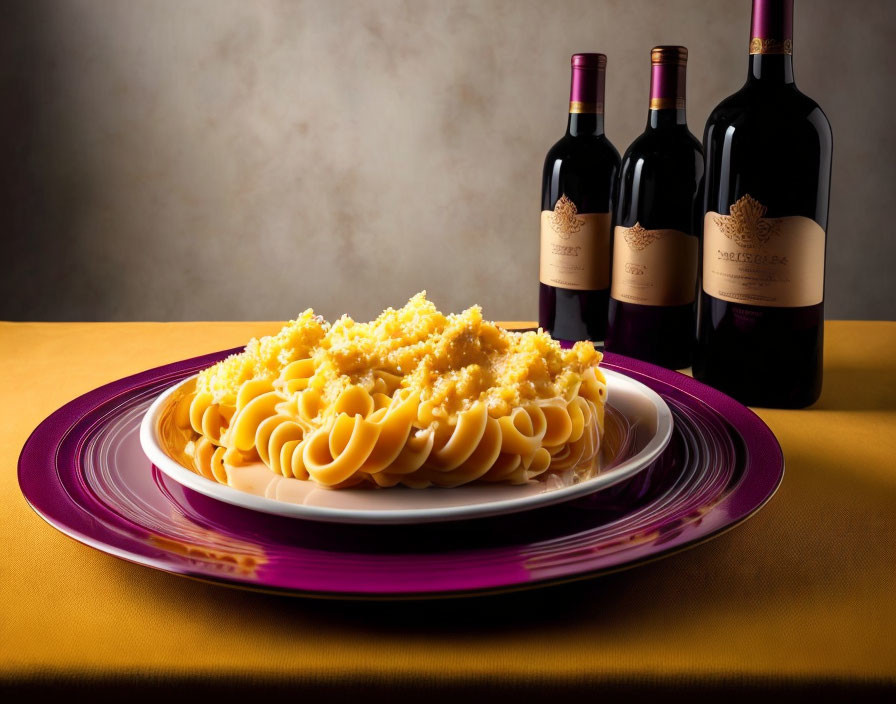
x=51, y=480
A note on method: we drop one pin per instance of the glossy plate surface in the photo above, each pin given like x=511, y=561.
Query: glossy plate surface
x=636, y=413
x=84, y=471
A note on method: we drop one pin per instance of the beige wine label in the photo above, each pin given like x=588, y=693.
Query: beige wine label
x=575, y=248
x=762, y=261
x=654, y=267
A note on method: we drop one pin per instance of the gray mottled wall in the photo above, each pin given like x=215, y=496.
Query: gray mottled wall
x=225, y=159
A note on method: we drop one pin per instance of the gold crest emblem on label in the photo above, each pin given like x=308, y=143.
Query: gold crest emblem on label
x=639, y=239
x=565, y=218
x=751, y=259
x=745, y=226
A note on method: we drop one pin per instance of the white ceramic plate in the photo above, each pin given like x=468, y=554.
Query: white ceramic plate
x=646, y=414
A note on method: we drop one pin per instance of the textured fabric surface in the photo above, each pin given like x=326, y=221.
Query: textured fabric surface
x=801, y=595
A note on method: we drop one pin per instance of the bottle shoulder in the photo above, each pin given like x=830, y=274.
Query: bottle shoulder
x=583, y=168
x=658, y=144
x=755, y=103
x=583, y=146
x=774, y=144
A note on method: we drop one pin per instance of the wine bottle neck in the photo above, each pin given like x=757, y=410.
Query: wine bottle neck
x=585, y=124
x=661, y=119
x=771, y=42
x=586, y=95
x=771, y=68
x=668, y=81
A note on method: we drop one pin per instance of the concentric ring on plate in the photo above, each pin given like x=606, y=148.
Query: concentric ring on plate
x=643, y=419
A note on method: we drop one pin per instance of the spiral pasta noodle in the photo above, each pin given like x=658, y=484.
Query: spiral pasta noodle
x=414, y=398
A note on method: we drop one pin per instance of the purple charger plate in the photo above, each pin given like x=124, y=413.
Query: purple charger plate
x=84, y=472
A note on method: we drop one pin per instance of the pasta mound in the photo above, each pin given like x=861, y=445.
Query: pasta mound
x=414, y=397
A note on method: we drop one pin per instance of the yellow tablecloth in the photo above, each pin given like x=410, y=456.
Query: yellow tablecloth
x=802, y=596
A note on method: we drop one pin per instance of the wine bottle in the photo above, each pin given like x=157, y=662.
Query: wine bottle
x=577, y=196
x=768, y=174
x=652, y=314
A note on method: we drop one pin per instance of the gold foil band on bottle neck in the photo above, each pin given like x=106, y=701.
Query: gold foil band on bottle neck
x=771, y=46
x=667, y=103
x=669, y=55
x=576, y=107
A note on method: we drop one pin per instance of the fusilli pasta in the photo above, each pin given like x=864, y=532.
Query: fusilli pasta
x=414, y=398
